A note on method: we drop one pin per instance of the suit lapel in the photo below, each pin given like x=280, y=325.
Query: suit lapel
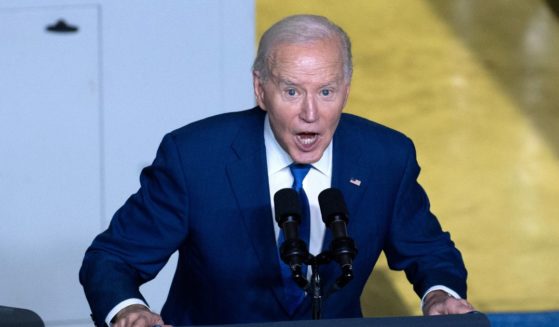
x=249, y=181
x=350, y=175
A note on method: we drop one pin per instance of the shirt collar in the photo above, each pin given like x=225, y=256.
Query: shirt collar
x=278, y=159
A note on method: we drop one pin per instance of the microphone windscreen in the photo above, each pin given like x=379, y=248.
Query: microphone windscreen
x=286, y=203
x=332, y=204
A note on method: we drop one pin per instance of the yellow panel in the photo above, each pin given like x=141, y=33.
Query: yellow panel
x=484, y=118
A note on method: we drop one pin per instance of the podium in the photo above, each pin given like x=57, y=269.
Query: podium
x=12, y=317
x=464, y=320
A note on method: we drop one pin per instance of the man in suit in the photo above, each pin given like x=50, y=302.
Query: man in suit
x=208, y=194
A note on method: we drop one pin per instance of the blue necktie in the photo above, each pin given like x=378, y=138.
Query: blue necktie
x=299, y=172
x=293, y=293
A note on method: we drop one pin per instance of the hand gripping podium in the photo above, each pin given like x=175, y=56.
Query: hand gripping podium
x=463, y=320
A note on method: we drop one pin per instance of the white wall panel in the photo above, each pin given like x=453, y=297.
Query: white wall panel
x=81, y=115
x=50, y=199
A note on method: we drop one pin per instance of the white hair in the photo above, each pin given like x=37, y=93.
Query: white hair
x=301, y=29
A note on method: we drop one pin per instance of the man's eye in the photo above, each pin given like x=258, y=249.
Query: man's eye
x=325, y=92
x=291, y=92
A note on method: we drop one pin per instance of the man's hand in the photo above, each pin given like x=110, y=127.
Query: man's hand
x=137, y=315
x=440, y=303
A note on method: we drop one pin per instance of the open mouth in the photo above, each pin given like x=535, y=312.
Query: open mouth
x=307, y=139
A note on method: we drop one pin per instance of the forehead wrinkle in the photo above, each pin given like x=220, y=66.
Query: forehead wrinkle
x=294, y=70
x=290, y=78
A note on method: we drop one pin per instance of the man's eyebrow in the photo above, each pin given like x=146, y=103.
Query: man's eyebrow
x=331, y=83
x=286, y=81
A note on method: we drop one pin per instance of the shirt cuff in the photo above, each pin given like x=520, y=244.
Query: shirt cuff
x=439, y=288
x=121, y=306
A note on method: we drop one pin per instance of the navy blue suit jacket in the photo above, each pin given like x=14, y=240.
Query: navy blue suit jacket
x=206, y=194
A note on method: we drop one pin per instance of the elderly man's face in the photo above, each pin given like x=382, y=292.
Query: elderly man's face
x=304, y=96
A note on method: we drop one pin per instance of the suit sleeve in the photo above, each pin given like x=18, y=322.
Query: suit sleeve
x=416, y=242
x=141, y=237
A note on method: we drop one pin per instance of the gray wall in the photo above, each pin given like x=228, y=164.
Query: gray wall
x=82, y=113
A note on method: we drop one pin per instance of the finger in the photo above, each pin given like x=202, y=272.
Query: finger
x=459, y=306
x=158, y=320
x=436, y=309
x=450, y=305
x=140, y=321
x=137, y=319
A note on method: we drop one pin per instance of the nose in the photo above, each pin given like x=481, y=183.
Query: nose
x=309, y=109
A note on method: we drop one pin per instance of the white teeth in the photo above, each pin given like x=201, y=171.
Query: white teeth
x=307, y=138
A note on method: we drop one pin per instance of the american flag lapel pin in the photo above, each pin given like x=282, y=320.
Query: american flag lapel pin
x=355, y=181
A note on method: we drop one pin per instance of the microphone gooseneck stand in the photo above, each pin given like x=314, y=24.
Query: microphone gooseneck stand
x=294, y=252
x=314, y=288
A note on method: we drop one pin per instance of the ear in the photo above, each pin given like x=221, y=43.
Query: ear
x=347, y=87
x=258, y=86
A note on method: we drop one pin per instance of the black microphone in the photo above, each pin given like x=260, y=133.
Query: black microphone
x=335, y=216
x=293, y=251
